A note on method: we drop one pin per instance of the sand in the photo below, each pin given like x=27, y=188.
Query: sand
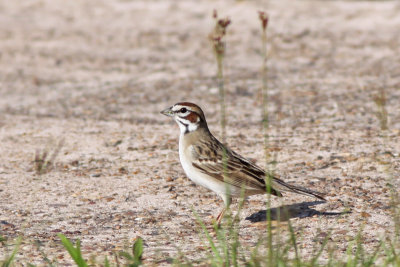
x=91, y=78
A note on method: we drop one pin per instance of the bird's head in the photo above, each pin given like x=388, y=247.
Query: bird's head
x=189, y=116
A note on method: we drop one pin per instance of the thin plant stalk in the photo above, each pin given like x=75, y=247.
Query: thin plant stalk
x=217, y=38
x=265, y=121
x=382, y=114
x=221, y=91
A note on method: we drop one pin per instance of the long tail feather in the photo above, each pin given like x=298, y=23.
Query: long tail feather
x=282, y=186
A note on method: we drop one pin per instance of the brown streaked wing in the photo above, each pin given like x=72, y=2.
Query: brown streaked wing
x=239, y=171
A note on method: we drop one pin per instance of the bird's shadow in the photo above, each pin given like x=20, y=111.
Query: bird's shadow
x=286, y=212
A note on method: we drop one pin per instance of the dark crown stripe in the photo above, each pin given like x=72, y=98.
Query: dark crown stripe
x=188, y=104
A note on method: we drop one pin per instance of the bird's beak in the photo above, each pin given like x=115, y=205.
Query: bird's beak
x=168, y=112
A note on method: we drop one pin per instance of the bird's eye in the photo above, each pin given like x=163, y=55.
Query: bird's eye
x=183, y=110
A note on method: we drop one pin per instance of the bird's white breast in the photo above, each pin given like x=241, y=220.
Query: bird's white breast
x=198, y=177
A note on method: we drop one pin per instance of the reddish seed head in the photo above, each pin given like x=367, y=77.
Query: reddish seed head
x=216, y=38
x=215, y=14
x=224, y=22
x=218, y=34
x=264, y=19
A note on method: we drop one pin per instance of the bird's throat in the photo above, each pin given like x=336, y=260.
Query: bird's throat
x=186, y=126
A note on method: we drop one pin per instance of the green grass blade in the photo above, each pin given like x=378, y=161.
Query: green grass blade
x=126, y=255
x=106, y=262
x=373, y=257
x=321, y=249
x=75, y=253
x=138, y=249
x=294, y=244
x=8, y=261
x=223, y=237
x=209, y=239
x=350, y=261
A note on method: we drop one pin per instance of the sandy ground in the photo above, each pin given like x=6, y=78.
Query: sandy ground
x=96, y=75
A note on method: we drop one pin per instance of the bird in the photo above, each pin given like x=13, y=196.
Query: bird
x=211, y=164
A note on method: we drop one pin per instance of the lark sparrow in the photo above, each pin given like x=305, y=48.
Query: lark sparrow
x=209, y=163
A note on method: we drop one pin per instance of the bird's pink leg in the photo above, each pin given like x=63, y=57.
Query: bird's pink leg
x=220, y=216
